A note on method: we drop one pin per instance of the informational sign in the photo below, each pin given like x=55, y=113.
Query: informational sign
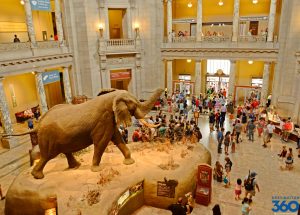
x=120, y=75
x=164, y=190
x=51, y=77
x=43, y=5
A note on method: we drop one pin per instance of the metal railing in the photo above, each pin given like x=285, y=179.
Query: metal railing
x=14, y=46
x=120, y=43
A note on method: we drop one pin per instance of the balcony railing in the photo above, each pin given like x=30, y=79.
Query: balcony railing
x=48, y=44
x=14, y=46
x=253, y=38
x=120, y=43
x=218, y=39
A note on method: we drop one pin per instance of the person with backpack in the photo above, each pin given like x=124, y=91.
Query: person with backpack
x=250, y=183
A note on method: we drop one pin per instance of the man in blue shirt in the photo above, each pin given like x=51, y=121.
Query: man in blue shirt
x=220, y=137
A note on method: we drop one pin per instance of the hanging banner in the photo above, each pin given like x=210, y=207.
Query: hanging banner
x=51, y=77
x=40, y=5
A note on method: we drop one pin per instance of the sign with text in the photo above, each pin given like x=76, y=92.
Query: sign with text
x=120, y=75
x=43, y=5
x=51, y=77
x=164, y=190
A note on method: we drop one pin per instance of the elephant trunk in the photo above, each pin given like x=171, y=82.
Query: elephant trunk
x=145, y=107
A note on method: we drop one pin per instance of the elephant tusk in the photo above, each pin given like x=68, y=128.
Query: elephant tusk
x=148, y=124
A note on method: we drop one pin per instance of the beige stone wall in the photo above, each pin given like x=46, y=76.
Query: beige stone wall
x=286, y=80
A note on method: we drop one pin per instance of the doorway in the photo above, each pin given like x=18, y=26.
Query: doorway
x=120, y=79
x=118, y=27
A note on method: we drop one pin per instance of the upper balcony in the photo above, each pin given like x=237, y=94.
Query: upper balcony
x=119, y=46
x=254, y=47
x=219, y=42
x=20, y=50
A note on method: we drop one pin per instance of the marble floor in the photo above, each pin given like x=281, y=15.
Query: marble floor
x=249, y=156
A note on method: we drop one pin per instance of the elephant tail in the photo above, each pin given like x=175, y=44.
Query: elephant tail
x=20, y=134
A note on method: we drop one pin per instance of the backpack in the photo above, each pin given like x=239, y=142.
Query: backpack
x=248, y=183
x=244, y=119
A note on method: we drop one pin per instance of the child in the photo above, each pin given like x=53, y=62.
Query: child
x=283, y=152
x=246, y=207
x=289, y=159
x=226, y=179
x=238, y=189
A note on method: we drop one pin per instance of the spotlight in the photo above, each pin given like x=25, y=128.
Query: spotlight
x=221, y=3
x=254, y=1
x=190, y=4
x=250, y=61
x=22, y=2
x=188, y=60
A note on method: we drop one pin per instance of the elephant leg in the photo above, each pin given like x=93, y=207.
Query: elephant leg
x=37, y=171
x=99, y=149
x=73, y=163
x=120, y=143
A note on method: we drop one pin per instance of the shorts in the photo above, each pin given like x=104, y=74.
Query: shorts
x=251, y=192
x=238, y=192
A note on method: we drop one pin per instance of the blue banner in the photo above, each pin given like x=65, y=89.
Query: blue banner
x=51, y=77
x=40, y=5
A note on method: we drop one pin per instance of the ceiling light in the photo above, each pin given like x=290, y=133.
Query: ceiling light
x=221, y=3
x=250, y=61
x=188, y=60
x=212, y=25
x=190, y=4
x=254, y=1
x=22, y=2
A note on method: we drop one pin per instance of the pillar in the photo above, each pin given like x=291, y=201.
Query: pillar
x=5, y=115
x=231, y=83
x=58, y=20
x=198, y=75
x=271, y=23
x=67, y=85
x=265, y=84
x=169, y=20
x=199, y=20
x=235, y=22
x=29, y=23
x=170, y=76
x=133, y=82
x=41, y=92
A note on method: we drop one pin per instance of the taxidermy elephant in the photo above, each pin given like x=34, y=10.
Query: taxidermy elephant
x=69, y=128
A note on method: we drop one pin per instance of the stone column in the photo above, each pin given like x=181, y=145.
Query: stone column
x=29, y=23
x=58, y=20
x=67, y=85
x=133, y=82
x=41, y=92
x=271, y=23
x=5, y=115
x=265, y=85
x=170, y=76
x=231, y=83
x=199, y=20
x=198, y=75
x=169, y=20
x=235, y=22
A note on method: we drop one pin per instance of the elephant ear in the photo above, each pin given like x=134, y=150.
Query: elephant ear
x=121, y=111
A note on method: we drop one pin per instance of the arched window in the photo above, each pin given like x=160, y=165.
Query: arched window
x=214, y=65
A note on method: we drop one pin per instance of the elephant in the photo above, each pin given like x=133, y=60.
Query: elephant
x=68, y=128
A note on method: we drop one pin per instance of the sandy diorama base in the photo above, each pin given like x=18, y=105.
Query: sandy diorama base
x=81, y=191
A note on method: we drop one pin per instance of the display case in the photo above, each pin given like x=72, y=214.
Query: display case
x=204, y=185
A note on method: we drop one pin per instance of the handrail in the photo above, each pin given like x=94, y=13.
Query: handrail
x=120, y=42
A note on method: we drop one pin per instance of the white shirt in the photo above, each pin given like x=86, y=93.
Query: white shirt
x=223, y=109
x=270, y=128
